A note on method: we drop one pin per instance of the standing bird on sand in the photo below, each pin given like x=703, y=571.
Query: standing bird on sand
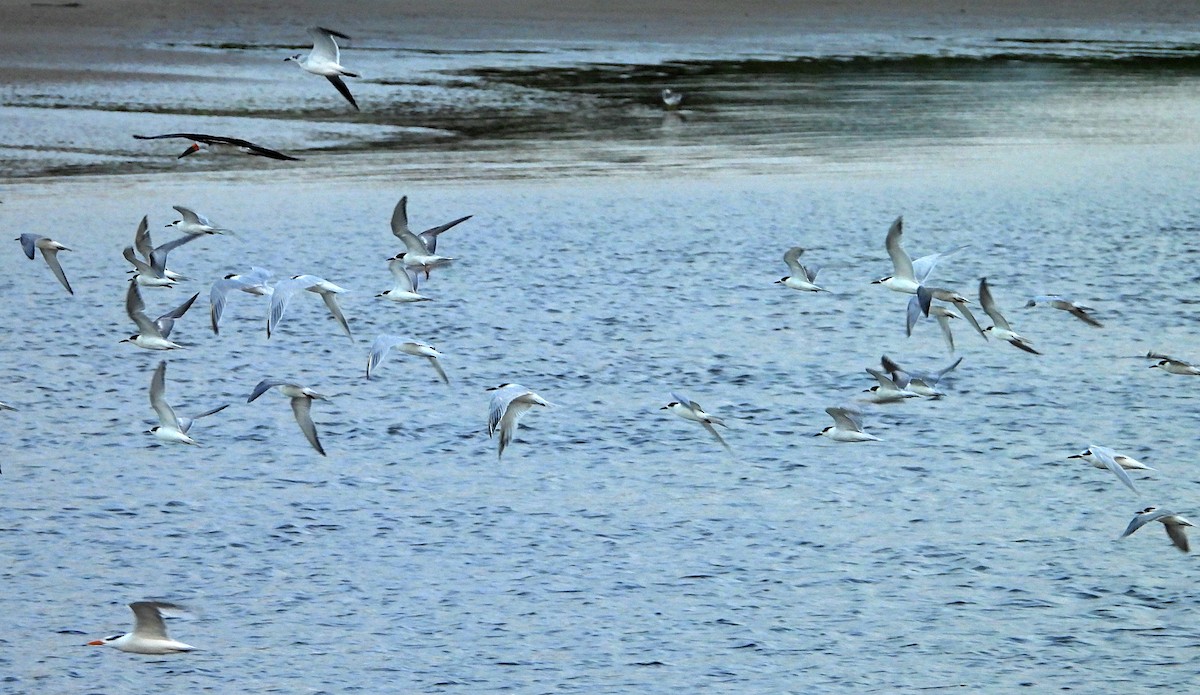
x=325, y=59
x=149, y=634
x=509, y=402
x=50, y=249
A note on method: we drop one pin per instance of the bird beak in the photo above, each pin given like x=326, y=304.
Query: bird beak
x=193, y=149
x=818, y=434
x=665, y=407
x=95, y=643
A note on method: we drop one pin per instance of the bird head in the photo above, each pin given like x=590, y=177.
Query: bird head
x=818, y=434
x=881, y=280
x=107, y=640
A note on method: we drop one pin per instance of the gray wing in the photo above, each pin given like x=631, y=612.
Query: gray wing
x=379, y=351
x=29, y=243
x=166, y=322
x=330, y=299
x=513, y=411
x=923, y=266
x=264, y=386
x=1105, y=457
x=185, y=423
x=141, y=266
x=989, y=305
x=51, y=257
x=912, y=314
x=218, y=296
x=437, y=367
x=966, y=314
x=713, y=431
x=846, y=419
x=901, y=263
x=302, y=409
x=1081, y=314
x=148, y=620
x=1177, y=535
x=792, y=258
x=499, y=403
x=189, y=215
x=158, y=258
x=135, y=307
x=884, y=380
x=324, y=47
x=430, y=236
x=284, y=289
x=947, y=370
x=404, y=276
x=1142, y=519
x=411, y=241
x=945, y=324
x=158, y=399
x=141, y=239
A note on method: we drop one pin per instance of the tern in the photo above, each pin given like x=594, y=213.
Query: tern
x=1001, y=329
x=218, y=144
x=145, y=246
x=923, y=303
x=509, y=402
x=1171, y=365
x=302, y=398
x=671, y=99
x=152, y=335
x=254, y=282
x=50, y=249
x=171, y=428
x=907, y=275
x=691, y=410
x=921, y=383
x=847, y=426
x=384, y=343
x=887, y=391
x=325, y=59
x=284, y=289
x=153, y=271
x=417, y=254
x=405, y=287
x=1172, y=522
x=1055, y=301
x=801, y=278
x=1106, y=459
x=5, y=406
x=149, y=634
x=194, y=223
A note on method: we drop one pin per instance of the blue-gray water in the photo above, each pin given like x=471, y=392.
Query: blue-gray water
x=616, y=548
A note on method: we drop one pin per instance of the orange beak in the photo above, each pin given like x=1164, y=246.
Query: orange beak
x=95, y=643
x=190, y=150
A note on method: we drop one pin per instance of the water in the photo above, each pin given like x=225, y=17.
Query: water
x=616, y=547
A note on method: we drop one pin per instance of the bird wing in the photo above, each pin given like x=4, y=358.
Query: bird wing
x=437, y=367
x=884, y=380
x=405, y=277
x=302, y=409
x=284, y=289
x=379, y=351
x=901, y=262
x=340, y=84
x=944, y=322
x=264, y=386
x=29, y=243
x=51, y=258
x=141, y=239
x=1105, y=456
x=166, y=322
x=966, y=314
x=158, y=258
x=1143, y=518
x=989, y=305
x=189, y=215
x=135, y=307
x=1177, y=535
x=158, y=400
x=141, y=266
x=792, y=258
x=324, y=47
x=430, y=236
x=412, y=243
x=846, y=419
x=923, y=266
x=330, y=299
x=713, y=431
x=148, y=619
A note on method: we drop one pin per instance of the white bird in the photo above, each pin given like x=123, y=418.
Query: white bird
x=671, y=99
x=691, y=410
x=417, y=254
x=384, y=343
x=1106, y=459
x=1172, y=522
x=847, y=426
x=171, y=428
x=1001, y=329
x=801, y=278
x=1171, y=365
x=284, y=289
x=145, y=246
x=509, y=402
x=149, y=634
x=49, y=249
x=194, y=223
x=886, y=391
x=302, y=398
x=254, y=282
x=405, y=286
x=921, y=383
x=1055, y=301
x=152, y=335
x=152, y=272
x=907, y=274
x=325, y=59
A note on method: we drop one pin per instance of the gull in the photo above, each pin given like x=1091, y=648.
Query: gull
x=1001, y=329
x=152, y=335
x=284, y=289
x=1055, y=301
x=1172, y=522
x=384, y=343
x=405, y=287
x=847, y=426
x=254, y=282
x=907, y=275
x=886, y=391
x=302, y=398
x=218, y=144
x=801, y=278
x=149, y=634
x=509, y=402
x=194, y=223
x=1171, y=365
x=153, y=271
x=171, y=428
x=50, y=249
x=324, y=59
x=1104, y=458
x=418, y=255
x=691, y=410
x=671, y=99
x=921, y=383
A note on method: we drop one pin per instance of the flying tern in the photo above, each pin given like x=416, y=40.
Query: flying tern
x=149, y=634
x=384, y=343
x=152, y=335
x=417, y=254
x=284, y=289
x=152, y=272
x=218, y=144
x=691, y=410
x=801, y=278
x=1171, y=365
x=907, y=275
x=325, y=59
x=254, y=282
x=194, y=223
x=509, y=402
x=1106, y=459
x=1055, y=301
x=302, y=398
x=49, y=249
x=1172, y=522
x=887, y=391
x=1001, y=329
x=921, y=383
x=171, y=428
x=404, y=289
x=847, y=426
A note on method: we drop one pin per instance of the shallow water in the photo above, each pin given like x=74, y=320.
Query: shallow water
x=616, y=547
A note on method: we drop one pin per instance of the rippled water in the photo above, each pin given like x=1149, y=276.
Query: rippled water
x=616, y=547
